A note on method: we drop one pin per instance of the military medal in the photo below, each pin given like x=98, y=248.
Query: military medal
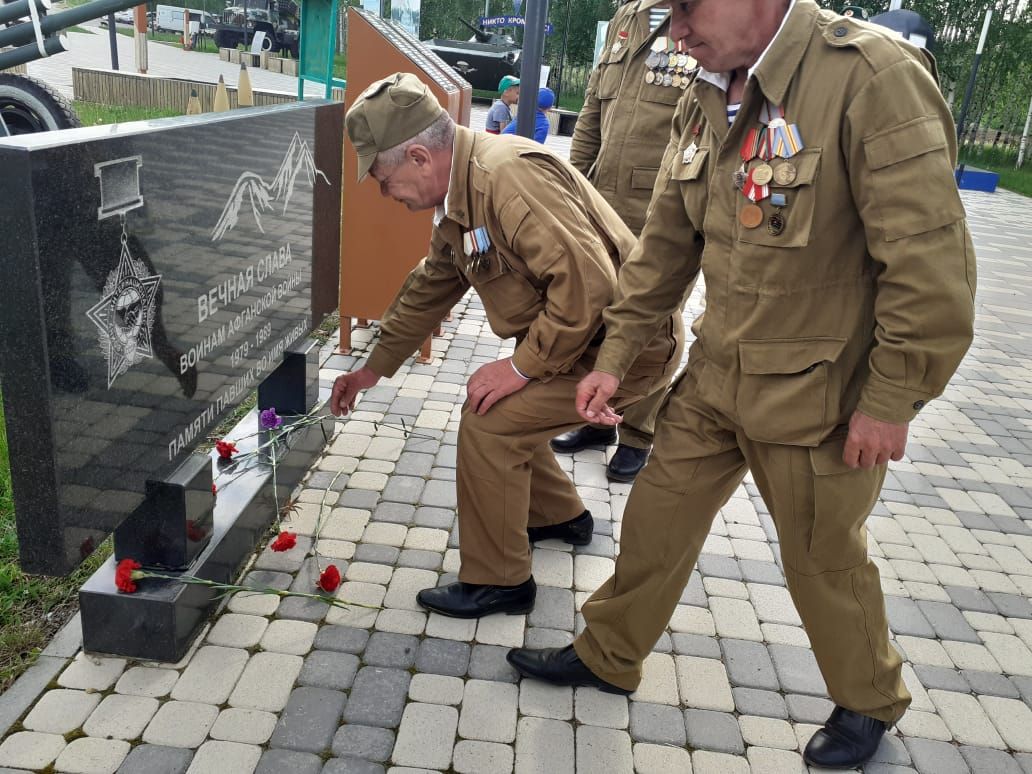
x=738, y=177
x=785, y=174
x=659, y=44
x=762, y=174
x=689, y=153
x=650, y=77
x=776, y=222
x=676, y=81
x=475, y=244
x=755, y=191
x=785, y=139
x=667, y=79
x=751, y=216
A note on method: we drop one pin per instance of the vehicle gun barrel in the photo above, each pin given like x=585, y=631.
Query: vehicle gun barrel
x=20, y=9
x=482, y=37
x=54, y=44
x=23, y=33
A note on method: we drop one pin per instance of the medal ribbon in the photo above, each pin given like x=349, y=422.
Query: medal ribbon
x=753, y=191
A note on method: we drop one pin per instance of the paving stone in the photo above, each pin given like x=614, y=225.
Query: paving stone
x=358, y=742
x=391, y=650
x=1011, y=605
x=344, y=639
x=309, y=720
x=233, y=630
x=719, y=566
x=696, y=645
x=405, y=584
x=547, y=638
x=443, y=657
x=439, y=494
x=749, y=664
x=210, y=676
x=180, y=724
x=808, y=709
x=31, y=750
x=1010, y=652
x=755, y=571
x=990, y=683
x=926, y=725
x=765, y=760
x=328, y=669
x=703, y=683
x=797, y=670
x=471, y=757
x=488, y=663
x=283, y=761
x=88, y=755
x=706, y=762
x=244, y=726
x=436, y=518
x=506, y=630
x=1012, y=719
x=598, y=708
x=60, y=711
x=941, y=678
x=436, y=689
x=544, y=747
x=377, y=697
x=774, y=604
x=120, y=717
x=986, y=759
x=931, y=757
x=91, y=673
x=404, y=489
x=601, y=749
x=364, y=599
x=156, y=759
x=948, y=622
x=450, y=628
x=553, y=607
x=713, y=731
x=750, y=701
x=658, y=723
x=266, y=682
x=426, y=736
x=367, y=552
x=966, y=719
x=590, y=572
x=905, y=617
x=221, y=757
x=660, y=759
x=543, y=700
x=767, y=732
x=693, y=620
x=284, y=561
x=419, y=559
x=488, y=711
x=147, y=681
x=658, y=681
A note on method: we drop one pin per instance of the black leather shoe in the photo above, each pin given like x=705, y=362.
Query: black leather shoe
x=626, y=463
x=471, y=600
x=559, y=666
x=847, y=740
x=576, y=532
x=582, y=438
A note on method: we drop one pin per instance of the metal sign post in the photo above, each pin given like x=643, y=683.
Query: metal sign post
x=530, y=70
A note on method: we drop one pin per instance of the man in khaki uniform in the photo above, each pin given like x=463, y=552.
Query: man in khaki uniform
x=542, y=249
x=621, y=134
x=838, y=304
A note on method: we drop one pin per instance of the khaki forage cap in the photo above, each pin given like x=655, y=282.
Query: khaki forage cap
x=390, y=111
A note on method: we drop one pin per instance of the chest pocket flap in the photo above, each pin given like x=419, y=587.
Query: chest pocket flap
x=611, y=73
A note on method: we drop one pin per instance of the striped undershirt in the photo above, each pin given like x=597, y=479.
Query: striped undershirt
x=656, y=16
x=732, y=111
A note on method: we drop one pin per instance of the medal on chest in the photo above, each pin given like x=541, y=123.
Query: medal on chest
x=692, y=150
x=475, y=244
x=777, y=140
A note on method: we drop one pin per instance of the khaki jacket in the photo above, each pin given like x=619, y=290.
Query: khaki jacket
x=865, y=300
x=623, y=128
x=550, y=270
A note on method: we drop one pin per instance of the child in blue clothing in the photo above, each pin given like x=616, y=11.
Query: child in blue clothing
x=546, y=100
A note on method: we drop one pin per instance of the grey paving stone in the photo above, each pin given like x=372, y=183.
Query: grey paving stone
x=547, y=638
x=1011, y=605
x=420, y=559
x=393, y=512
x=404, y=489
x=302, y=609
x=885, y=768
x=717, y=731
x=439, y=494
x=967, y=598
x=664, y=644
x=713, y=565
x=380, y=394
x=408, y=406
x=1010, y=525
x=906, y=618
x=378, y=697
x=340, y=362
x=414, y=464
x=941, y=678
x=328, y=479
x=443, y=657
x=284, y=561
x=750, y=701
x=375, y=553
x=273, y=580
x=156, y=759
x=600, y=545
x=283, y=761
x=1025, y=761
x=657, y=723
x=344, y=639
x=695, y=645
x=892, y=751
x=309, y=720
x=949, y=623
x=749, y=664
x=437, y=518
x=488, y=663
x=553, y=608
x=363, y=742
x=443, y=474
x=1024, y=686
x=755, y=571
x=427, y=442
x=329, y=669
x=930, y=757
x=808, y=709
x=990, y=683
x=363, y=499
x=603, y=527
x=984, y=759
x=977, y=521
x=797, y=670
x=388, y=649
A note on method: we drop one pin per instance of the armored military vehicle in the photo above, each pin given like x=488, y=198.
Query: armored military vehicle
x=483, y=59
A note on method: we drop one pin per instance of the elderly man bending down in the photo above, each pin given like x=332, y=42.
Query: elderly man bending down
x=542, y=248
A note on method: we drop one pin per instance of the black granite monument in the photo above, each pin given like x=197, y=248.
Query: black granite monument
x=153, y=275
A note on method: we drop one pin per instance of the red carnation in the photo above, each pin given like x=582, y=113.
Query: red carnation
x=213, y=489
x=125, y=577
x=226, y=449
x=284, y=541
x=330, y=578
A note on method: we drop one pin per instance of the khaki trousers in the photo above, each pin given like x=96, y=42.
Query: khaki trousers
x=819, y=507
x=507, y=477
x=639, y=421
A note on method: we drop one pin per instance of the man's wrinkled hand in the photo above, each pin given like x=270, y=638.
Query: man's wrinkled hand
x=593, y=394
x=873, y=442
x=346, y=388
x=492, y=382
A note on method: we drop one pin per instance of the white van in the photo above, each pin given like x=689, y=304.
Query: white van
x=169, y=18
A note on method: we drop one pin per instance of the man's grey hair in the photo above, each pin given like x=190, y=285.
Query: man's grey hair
x=436, y=137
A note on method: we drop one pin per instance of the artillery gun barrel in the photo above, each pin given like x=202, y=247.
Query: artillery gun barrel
x=54, y=44
x=23, y=33
x=20, y=9
x=482, y=37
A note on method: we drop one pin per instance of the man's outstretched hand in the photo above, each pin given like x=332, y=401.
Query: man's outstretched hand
x=593, y=394
x=346, y=388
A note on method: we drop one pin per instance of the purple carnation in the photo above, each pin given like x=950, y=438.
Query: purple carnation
x=269, y=419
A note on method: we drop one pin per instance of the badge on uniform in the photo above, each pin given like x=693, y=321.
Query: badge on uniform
x=475, y=245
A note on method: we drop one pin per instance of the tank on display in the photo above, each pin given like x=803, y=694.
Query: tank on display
x=278, y=19
x=483, y=59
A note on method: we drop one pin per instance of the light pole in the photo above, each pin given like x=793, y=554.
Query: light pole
x=530, y=70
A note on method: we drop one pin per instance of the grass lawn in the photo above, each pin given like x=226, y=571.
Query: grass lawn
x=92, y=114
x=205, y=43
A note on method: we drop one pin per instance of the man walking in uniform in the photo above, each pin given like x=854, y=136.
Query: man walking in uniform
x=809, y=176
x=618, y=142
x=542, y=249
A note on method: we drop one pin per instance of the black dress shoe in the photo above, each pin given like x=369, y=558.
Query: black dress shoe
x=472, y=600
x=559, y=666
x=576, y=532
x=847, y=740
x=627, y=462
x=582, y=438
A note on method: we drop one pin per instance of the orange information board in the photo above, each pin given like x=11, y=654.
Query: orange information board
x=381, y=241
